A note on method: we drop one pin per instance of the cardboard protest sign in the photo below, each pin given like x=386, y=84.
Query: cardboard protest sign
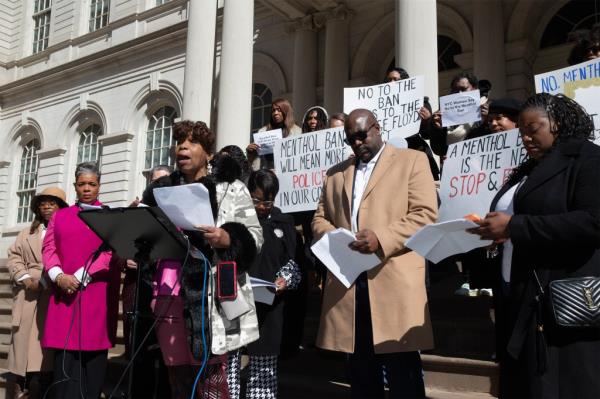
x=266, y=140
x=475, y=170
x=395, y=105
x=301, y=164
x=459, y=108
x=580, y=82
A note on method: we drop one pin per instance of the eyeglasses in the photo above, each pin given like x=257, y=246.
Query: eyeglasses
x=360, y=135
x=266, y=204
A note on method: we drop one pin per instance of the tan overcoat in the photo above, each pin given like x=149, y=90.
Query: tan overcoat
x=29, y=307
x=400, y=198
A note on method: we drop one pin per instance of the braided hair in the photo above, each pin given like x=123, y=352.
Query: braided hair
x=569, y=118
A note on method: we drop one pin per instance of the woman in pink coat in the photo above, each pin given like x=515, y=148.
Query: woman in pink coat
x=82, y=314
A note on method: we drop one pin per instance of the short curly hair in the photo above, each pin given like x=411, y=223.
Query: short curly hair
x=197, y=132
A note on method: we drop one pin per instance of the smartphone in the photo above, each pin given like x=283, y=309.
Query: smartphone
x=226, y=280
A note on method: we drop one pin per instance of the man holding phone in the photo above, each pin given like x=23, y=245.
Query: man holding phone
x=384, y=195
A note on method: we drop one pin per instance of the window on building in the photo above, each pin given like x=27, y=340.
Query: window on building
x=447, y=49
x=159, y=2
x=261, y=106
x=99, y=14
x=27, y=181
x=89, y=148
x=41, y=23
x=574, y=16
x=159, y=142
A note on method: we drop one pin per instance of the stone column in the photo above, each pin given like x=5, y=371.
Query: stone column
x=235, y=77
x=304, y=82
x=416, y=42
x=199, y=60
x=488, y=45
x=337, y=59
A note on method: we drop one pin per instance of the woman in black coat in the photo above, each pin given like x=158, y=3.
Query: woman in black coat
x=274, y=263
x=547, y=219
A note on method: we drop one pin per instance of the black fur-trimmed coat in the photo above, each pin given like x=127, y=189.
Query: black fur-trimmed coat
x=234, y=212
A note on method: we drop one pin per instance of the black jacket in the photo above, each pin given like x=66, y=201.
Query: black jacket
x=278, y=248
x=555, y=230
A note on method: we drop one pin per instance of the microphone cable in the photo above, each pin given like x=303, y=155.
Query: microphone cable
x=156, y=319
x=69, y=330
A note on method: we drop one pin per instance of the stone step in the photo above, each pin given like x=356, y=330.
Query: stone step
x=326, y=371
x=453, y=374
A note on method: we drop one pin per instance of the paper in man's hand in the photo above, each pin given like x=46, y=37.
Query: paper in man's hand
x=345, y=264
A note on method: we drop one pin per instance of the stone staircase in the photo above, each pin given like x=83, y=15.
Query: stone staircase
x=461, y=366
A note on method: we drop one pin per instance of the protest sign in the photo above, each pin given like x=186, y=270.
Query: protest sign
x=301, y=164
x=580, y=82
x=395, y=105
x=266, y=140
x=459, y=108
x=474, y=172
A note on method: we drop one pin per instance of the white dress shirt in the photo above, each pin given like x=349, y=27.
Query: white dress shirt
x=506, y=204
x=361, y=180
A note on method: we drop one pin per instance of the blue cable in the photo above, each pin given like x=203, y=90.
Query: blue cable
x=206, y=350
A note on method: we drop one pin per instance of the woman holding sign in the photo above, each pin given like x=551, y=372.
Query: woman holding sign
x=546, y=223
x=282, y=117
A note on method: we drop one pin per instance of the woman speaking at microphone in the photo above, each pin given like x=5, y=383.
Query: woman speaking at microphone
x=178, y=288
x=82, y=315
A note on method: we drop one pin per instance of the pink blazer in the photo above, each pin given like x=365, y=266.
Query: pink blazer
x=69, y=243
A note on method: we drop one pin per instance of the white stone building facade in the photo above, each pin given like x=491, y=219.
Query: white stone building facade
x=104, y=79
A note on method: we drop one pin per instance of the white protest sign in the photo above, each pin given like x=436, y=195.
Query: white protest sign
x=301, y=164
x=266, y=140
x=580, y=82
x=460, y=108
x=395, y=105
x=475, y=170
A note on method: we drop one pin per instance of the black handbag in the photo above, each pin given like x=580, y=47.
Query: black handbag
x=576, y=301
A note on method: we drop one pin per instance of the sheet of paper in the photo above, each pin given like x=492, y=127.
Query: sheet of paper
x=438, y=241
x=345, y=264
x=186, y=206
x=263, y=290
x=266, y=140
x=459, y=108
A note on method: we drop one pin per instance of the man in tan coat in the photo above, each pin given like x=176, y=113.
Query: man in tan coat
x=384, y=195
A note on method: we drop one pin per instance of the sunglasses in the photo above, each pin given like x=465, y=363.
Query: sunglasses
x=360, y=135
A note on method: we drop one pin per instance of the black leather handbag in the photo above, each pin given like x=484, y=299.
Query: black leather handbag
x=576, y=301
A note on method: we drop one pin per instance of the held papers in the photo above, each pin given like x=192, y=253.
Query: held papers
x=438, y=241
x=266, y=140
x=345, y=264
x=187, y=206
x=264, y=291
x=460, y=108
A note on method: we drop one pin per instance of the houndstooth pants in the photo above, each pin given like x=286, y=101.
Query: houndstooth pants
x=262, y=380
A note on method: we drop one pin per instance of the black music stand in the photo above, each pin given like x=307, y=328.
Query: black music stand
x=144, y=234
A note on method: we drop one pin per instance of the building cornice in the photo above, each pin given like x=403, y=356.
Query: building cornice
x=102, y=33
x=126, y=49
